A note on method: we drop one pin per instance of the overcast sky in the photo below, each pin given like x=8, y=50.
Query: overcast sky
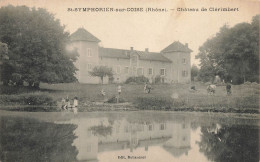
x=153, y=30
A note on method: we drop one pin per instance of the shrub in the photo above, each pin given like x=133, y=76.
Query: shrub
x=247, y=102
x=139, y=79
x=158, y=79
x=114, y=100
x=27, y=99
x=149, y=103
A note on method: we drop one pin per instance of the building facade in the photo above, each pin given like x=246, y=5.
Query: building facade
x=171, y=65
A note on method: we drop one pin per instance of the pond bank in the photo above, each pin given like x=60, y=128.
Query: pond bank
x=127, y=106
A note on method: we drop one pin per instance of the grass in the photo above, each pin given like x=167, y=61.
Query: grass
x=244, y=97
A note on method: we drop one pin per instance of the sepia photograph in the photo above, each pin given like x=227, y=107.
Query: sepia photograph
x=129, y=81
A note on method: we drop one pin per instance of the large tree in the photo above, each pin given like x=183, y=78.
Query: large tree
x=37, y=46
x=233, y=53
x=194, y=72
x=101, y=71
x=230, y=143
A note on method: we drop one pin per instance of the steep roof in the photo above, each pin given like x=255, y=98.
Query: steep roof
x=114, y=53
x=83, y=35
x=176, y=47
x=121, y=53
x=152, y=56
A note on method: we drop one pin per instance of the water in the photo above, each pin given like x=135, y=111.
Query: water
x=128, y=136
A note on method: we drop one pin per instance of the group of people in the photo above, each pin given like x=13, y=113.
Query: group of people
x=211, y=89
x=66, y=104
x=119, y=90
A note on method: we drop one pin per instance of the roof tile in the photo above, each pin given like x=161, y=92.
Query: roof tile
x=125, y=54
x=176, y=47
x=83, y=35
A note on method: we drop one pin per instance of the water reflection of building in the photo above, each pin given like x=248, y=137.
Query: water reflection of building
x=173, y=136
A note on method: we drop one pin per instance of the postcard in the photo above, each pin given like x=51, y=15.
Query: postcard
x=129, y=80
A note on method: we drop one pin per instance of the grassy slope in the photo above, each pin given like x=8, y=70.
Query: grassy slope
x=243, y=96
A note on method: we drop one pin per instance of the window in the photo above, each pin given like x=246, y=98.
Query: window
x=134, y=61
x=184, y=138
x=184, y=61
x=162, y=72
x=89, y=52
x=118, y=69
x=150, y=71
x=140, y=71
x=89, y=66
x=126, y=71
x=117, y=129
x=163, y=126
x=89, y=133
x=134, y=70
x=88, y=147
x=126, y=129
x=183, y=126
x=184, y=73
x=150, y=127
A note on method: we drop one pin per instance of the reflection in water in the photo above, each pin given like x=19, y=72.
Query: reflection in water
x=230, y=143
x=96, y=135
x=105, y=136
x=24, y=139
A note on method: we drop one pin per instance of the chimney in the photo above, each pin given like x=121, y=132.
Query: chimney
x=146, y=50
x=131, y=48
x=186, y=44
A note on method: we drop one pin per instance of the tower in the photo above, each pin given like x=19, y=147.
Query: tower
x=179, y=54
x=87, y=47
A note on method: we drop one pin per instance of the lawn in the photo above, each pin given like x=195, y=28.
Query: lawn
x=244, y=96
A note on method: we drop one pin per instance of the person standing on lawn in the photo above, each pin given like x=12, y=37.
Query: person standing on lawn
x=148, y=88
x=119, y=90
x=145, y=87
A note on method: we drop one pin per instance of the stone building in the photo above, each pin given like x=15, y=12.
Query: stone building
x=170, y=65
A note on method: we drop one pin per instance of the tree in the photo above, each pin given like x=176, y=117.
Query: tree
x=101, y=71
x=233, y=53
x=3, y=59
x=230, y=143
x=27, y=139
x=36, y=43
x=194, y=72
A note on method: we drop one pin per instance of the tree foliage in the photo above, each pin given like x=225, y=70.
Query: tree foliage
x=233, y=53
x=26, y=139
x=230, y=143
x=194, y=72
x=36, y=43
x=101, y=71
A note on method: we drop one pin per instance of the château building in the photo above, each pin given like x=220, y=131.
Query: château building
x=170, y=65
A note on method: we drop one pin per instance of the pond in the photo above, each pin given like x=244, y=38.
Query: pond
x=128, y=136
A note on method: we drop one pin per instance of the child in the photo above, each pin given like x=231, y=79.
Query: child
x=119, y=89
x=148, y=87
x=75, y=105
x=103, y=93
x=63, y=103
x=67, y=103
x=145, y=88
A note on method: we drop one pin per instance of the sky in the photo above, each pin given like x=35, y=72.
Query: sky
x=153, y=30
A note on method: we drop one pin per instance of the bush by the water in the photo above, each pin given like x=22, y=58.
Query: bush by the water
x=114, y=100
x=28, y=99
x=139, y=79
x=153, y=103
